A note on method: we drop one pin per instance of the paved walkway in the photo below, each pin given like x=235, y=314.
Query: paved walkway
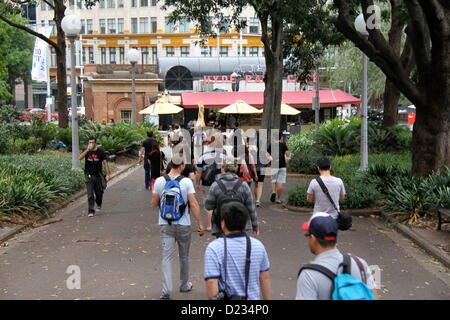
x=118, y=253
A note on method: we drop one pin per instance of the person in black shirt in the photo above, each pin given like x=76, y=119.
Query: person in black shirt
x=144, y=155
x=157, y=159
x=93, y=172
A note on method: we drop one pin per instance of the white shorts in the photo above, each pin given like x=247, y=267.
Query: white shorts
x=279, y=175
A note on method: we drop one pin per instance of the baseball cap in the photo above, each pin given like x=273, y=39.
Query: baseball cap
x=322, y=226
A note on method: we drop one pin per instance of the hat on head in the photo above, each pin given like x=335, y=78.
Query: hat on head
x=322, y=226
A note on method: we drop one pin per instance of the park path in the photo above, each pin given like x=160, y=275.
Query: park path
x=118, y=253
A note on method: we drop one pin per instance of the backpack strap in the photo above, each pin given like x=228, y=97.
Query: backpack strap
x=327, y=193
x=317, y=267
x=360, y=267
x=247, y=264
x=346, y=265
x=179, y=178
x=166, y=176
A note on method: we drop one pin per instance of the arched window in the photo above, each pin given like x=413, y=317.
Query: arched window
x=179, y=78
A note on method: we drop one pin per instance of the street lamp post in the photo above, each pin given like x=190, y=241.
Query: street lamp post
x=360, y=26
x=71, y=26
x=316, y=100
x=133, y=56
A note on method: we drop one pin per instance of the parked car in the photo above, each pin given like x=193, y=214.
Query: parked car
x=26, y=116
x=80, y=111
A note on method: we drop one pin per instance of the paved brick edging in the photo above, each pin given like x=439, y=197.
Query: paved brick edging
x=405, y=230
x=57, y=207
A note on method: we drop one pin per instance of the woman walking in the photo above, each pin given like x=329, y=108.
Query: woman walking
x=156, y=159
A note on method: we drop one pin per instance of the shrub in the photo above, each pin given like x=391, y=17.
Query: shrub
x=31, y=182
x=28, y=146
x=297, y=196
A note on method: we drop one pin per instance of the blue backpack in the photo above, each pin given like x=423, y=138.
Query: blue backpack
x=345, y=286
x=172, y=205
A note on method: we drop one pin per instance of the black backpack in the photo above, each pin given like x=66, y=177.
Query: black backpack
x=209, y=175
x=226, y=196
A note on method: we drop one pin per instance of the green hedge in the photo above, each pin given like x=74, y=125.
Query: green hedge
x=29, y=183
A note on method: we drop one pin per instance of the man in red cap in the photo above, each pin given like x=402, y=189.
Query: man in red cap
x=322, y=231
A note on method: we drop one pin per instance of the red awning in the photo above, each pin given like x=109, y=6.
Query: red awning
x=328, y=98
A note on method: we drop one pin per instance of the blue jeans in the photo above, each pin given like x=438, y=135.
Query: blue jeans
x=148, y=180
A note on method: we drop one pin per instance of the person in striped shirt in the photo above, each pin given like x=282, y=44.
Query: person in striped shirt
x=234, y=219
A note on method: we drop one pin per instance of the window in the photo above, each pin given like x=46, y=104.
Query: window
x=111, y=3
x=254, y=51
x=80, y=4
x=84, y=59
x=184, y=25
x=153, y=3
x=121, y=55
x=120, y=24
x=89, y=26
x=170, y=51
x=144, y=3
x=133, y=3
x=143, y=25
x=206, y=51
x=91, y=55
x=154, y=55
x=134, y=27
x=125, y=116
x=83, y=27
x=185, y=51
x=102, y=26
x=223, y=52
x=102, y=3
x=224, y=25
x=242, y=21
x=170, y=27
x=144, y=51
x=103, y=50
x=254, y=26
x=112, y=55
x=52, y=28
x=244, y=51
x=119, y=3
x=154, y=25
x=112, y=26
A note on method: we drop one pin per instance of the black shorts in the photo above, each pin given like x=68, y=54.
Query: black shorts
x=260, y=176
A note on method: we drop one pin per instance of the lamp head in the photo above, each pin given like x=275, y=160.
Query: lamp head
x=71, y=25
x=133, y=55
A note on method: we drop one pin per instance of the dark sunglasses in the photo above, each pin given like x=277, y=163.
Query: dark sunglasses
x=307, y=234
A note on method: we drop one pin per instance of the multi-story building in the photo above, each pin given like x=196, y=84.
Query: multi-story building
x=112, y=27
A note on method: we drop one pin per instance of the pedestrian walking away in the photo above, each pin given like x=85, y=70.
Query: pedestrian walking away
x=174, y=195
x=157, y=160
x=228, y=187
x=335, y=188
x=279, y=172
x=236, y=266
x=322, y=278
x=95, y=158
x=144, y=155
x=208, y=168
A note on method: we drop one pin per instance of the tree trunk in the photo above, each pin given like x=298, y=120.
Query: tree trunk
x=430, y=150
x=61, y=73
x=273, y=52
x=390, y=102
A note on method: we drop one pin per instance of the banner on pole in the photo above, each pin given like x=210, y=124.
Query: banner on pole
x=39, y=69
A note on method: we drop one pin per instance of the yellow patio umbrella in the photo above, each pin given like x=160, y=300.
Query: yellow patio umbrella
x=287, y=110
x=161, y=107
x=240, y=107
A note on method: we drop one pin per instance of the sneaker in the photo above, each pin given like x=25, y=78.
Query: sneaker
x=273, y=197
x=98, y=209
x=258, y=204
x=91, y=214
